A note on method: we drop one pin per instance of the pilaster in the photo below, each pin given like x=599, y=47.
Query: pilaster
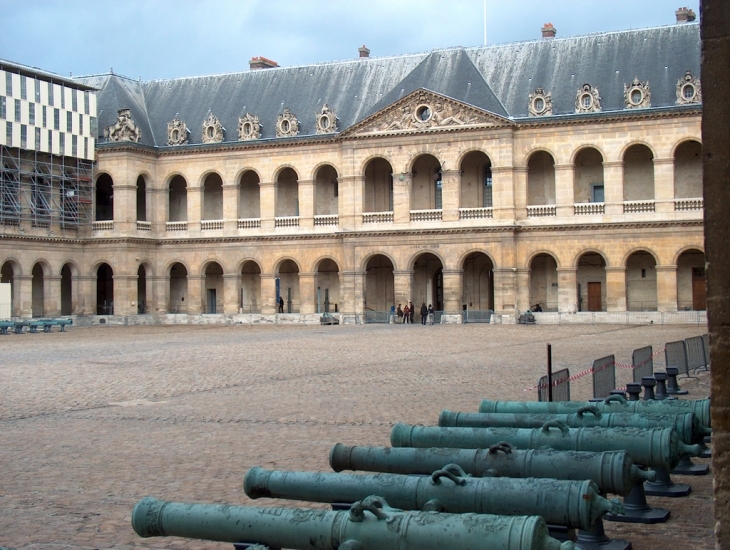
x=666, y=287
x=523, y=289
x=230, y=207
x=664, y=184
x=25, y=286
x=567, y=289
x=505, y=283
x=450, y=191
x=616, y=288
x=52, y=306
x=403, y=286
x=268, y=293
x=349, y=203
x=453, y=281
x=503, y=192
x=307, y=293
x=125, y=294
x=231, y=293
x=613, y=187
x=86, y=294
x=564, y=192
x=520, y=184
x=159, y=298
x=195, y=209
x=194, y=300
x=402, y=198
x=306, y=204
x=268, y=207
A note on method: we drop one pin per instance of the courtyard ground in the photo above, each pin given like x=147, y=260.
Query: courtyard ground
x=96, y=418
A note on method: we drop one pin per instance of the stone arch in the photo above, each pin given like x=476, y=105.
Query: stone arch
x=144, y=287
x=588, y=174
x=171, y=263
x=632, y=143
x=104, y=197
x=687, y=157
x=287, y=192
x=540, y=178
x=426, y=182
x=9, y=270
x=641, y=280
x=683, y=141
x=326, y=190
x=377, y=193
x=591, y=278
x=177, y=275
x=287, y=272
x=638, y=249
x=475, y=189
x=212, y=196
x=374, y=156
x=141, y=197
x=213, y=287
x=544, y=280
x=366, y=259
x=477, y=282
x=379, y=292
x=469, y=151
x=327, y=284
x=249, y=194
x=428, y=281
x=578, y=150
x=249, y=293
x=638, y=172
x=177, y=199
x=411, y=263
x=104, y=289
x=691, y=284
x=683, y=250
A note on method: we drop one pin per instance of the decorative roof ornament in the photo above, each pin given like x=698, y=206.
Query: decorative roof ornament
x=326, y=120
x=213, y=130
x=249, y=128
x=637, y=95
x=689, y=90
x=287, y=124
x=124, y=129
x=177, y=132
x=540, y=103
x=587, y=100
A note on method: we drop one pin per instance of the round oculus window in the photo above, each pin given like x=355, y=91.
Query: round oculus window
x=285, y=126
x=688, y=91
x=538, y=104
x=247, y=129
x=175, y=135
x=636, y=96
x=210, y=131
x=586, y=100
x=423, y=113
x=324, y=121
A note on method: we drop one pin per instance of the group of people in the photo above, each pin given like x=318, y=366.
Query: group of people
x=407, y=313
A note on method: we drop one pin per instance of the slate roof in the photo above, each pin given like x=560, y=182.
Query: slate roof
x=497, y=79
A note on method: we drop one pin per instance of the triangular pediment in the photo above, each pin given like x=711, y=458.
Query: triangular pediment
x=423, y=110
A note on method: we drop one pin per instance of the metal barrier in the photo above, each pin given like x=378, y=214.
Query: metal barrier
x=377, y=316
x=706, y=342
x=438, y=317
x=604, y=376
x=622, y=317
x=695, y=348
x=675, y=354
x=561, y=386
x=643, y=363
x=477, y=315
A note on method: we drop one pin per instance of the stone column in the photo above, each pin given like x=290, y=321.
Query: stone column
x=125, y=294
x=616, y=288
x=664, y=184
x=158, y=209
x=564, y=192
x=194, y=196
x=613, y=186
x=194, y=299
x=453, y=291
x=349, y=202
x=25, y=286
x=567, y=289
x=523, y=289
x=520, y=179
x=505, y=282
x=159, y=299
x=402, y=198
x=125, y=207
x=306, y=203
x=231, y=293
x=307, y=293
x=450, y=191
x=230, y=208
x=52, y=290
x=666, y=287
x=503, y=192
x=86, y=294
x=268, y=294
x=403, y=286
x=352, y=292
x=268, y=206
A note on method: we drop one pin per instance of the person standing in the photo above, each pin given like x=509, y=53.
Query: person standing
x=406, y=314
x=411, y=311
x=281, y=304
x=424, y=313
x=430, y=314
x=399, y=312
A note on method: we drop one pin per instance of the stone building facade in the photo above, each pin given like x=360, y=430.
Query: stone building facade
x=560, y=172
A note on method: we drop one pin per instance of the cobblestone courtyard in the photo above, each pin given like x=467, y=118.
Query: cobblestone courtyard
x=94, y=419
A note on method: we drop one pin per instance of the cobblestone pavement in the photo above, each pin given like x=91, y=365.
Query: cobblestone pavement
x=94, y=419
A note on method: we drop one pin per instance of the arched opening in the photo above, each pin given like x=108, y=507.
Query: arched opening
x=638, y=173
x=141, y=290
x=691, y=285
x=249, y=196
x=544, y=282
x=213, y=288
x=588, y=176
x=378, y=192
x=476, y=181
x=38, y=290
x=7, y=275
x=104, y=290
x=178, y=200
x=428, y=283
x=178, y=288
x=641, y=291
x=287, y=193
x=591, y=282
x=288, y=287
x=104, y=198
x=379, y=286
x=426, y=185
x=540, y=179
x=328, y=286
x=67, y=307
x=326, y=192
x=141, y=199
x=478, y=286
x=213, y=197
x=688, y=170
x=250, y=294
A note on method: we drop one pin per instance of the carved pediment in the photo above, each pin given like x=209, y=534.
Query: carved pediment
x=424, y=110
x=124, y=129
x=287, y=124
x=177, y=132
x=249, y=128
x=213, y=130
x=326, y=120
x=637, y=95
x=689, y=90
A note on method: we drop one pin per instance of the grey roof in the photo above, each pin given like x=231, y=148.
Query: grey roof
x=497, y=79
x=40, y=74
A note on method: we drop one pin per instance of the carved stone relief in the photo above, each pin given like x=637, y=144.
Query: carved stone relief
x=177, y=132
x=213, y=130
x=124, y=129
x=689, y=90
x=287, y=124
x=637, y=95
x=249, y=128
x=326, y=121
x=587, y=100
x=540, y=103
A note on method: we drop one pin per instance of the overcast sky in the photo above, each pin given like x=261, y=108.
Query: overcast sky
x=155, y=39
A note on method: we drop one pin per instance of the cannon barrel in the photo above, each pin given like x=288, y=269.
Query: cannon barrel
x=655, y=447
x=613, y=471
x=612, y=403
x=685, y=424
x=369, y=525
x=572, y=503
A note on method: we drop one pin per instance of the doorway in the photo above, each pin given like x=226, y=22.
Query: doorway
x=211, y=300
x=699, y=289
x=594, y=296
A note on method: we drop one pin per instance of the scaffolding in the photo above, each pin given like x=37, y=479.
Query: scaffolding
x=44, y=190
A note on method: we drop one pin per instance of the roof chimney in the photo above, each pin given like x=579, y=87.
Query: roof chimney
x=548, y=31
x=364, y=52
x=257, y=63
x=685, y=15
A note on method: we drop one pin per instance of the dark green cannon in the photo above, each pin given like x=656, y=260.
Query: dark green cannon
x=612, y=403
x=369, y=525
x=686, y=424
x=613, y=471
x=655, y=447
x=571, y=503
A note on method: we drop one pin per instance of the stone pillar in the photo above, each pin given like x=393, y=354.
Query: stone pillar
x=503, y=192
x=666, y=287
x=402, y=198
x=268, y=207
x=616, y=288
x=403, y=286
x=25, y=286
x=664, y=184
x=158, y=209
x=523, y=289
x=195, y=206
x=505, y=286
x=453, y=279
x=307, y=293
x=125, y=294
x=564, y=192
x=349, y=202
x=306, y=203
x=352, y=292
x=450, y=191
x=268, y=294
x=125, y=206
x=520, y=177
x=231, y=293
x=567, y=289
x=52, y=290
x=194, y=299
x=230, y=208
x=613, y=186
x=159, y=299
x=86, y=294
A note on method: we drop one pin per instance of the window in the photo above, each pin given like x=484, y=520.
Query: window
x=636, y=96
x=17, y=110
x=597, y=192
x=62, y=144
x=37, y=144
x=74, y=145
x=2, y=106
x=23, y=136
x=69, y=121
x=438, y=191
x=45, y=117
x=37, y=84
x=86, y=153
x=93, y=126
x=56, y=119
x=688, y=91
x=50, y=141
x=74, y=100
x=63, y=98
x=81, y=124
x=31, y=113
x=50, y=93
x=586, y=100
x=9, y=133
x=487, y=186
x=9, y=84
x=23, y=88
x=86, y=103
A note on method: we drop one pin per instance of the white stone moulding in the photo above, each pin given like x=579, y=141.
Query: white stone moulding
x=433, y=215
x=377, y=217
x=682, y=205
x=633, y=207
x=329, y=219
x=211, y=225
x=585, y=208
x=176, y=226
x=476, y=213
x=541, y=211
x=249, y=223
